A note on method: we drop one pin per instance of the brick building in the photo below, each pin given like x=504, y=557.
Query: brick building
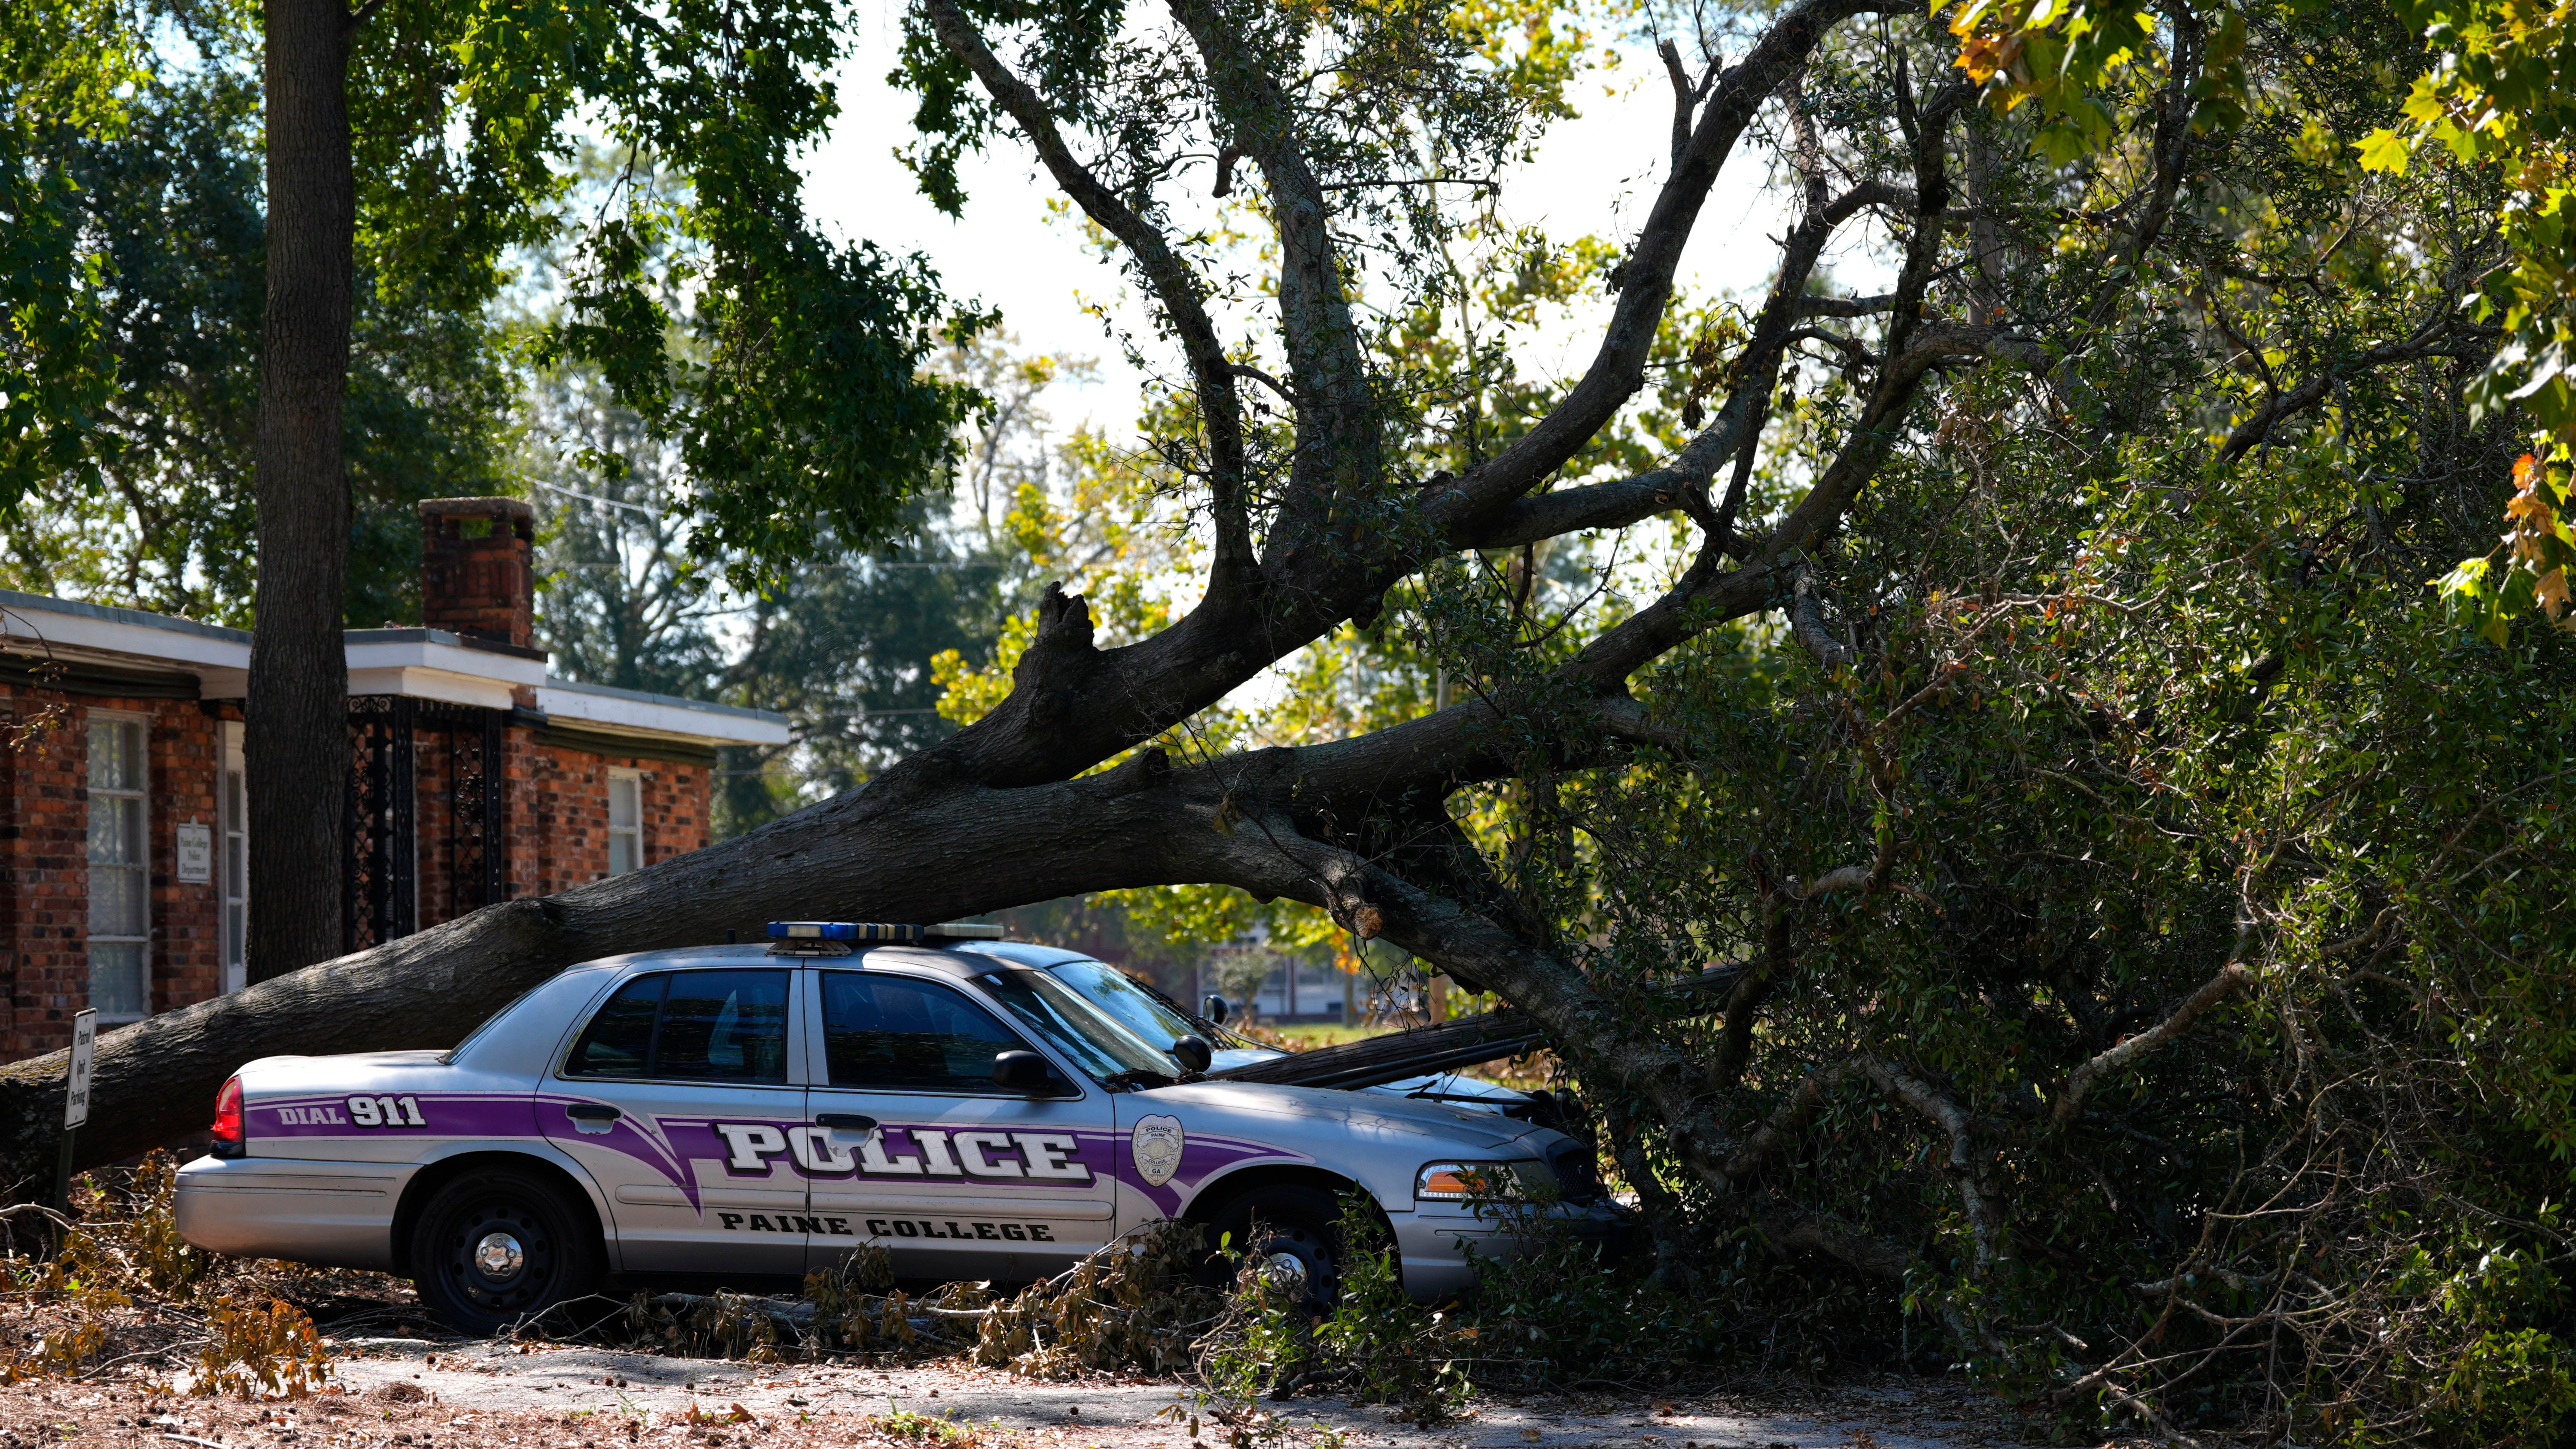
x=476, y=776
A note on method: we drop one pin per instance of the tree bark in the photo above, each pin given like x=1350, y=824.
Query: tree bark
x=296, y=746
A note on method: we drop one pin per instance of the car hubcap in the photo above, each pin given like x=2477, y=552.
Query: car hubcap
x=498, y=1257
x=1285, y=1272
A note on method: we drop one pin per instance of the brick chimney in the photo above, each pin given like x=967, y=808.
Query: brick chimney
x=476, y=573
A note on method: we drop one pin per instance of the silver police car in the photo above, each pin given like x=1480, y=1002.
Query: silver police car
x=725, y=1112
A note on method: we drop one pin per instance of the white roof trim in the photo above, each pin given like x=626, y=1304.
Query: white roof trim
x=413, y=663
x=34, y=622
x=633, y=712
x=436, y=651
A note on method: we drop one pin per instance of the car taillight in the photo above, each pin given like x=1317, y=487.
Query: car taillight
x=230, y=1139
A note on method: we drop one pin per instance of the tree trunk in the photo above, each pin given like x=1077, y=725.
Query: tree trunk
x=296, y=745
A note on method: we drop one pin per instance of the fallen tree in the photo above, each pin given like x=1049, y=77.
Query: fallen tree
x=1303, y=539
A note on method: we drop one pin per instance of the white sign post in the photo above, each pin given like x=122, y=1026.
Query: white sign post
x=75, y=1098
x=84, y=1045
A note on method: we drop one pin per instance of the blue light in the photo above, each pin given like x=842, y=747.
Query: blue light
x=813, y=931
x=877, y=931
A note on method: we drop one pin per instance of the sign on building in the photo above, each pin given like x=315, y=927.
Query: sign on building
x=196, y=853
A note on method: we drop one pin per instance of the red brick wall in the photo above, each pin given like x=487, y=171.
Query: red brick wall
x=558, y=812
x=44, y=866
x=187, y=916
x=556, y=804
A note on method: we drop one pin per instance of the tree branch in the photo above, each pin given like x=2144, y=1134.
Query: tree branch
x=1339, y=449
x=2079, y=1083
x=1176, y=290
x=1644, y=279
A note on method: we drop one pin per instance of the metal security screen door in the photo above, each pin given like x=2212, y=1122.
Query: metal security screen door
x=120, y=924
x=233, y=867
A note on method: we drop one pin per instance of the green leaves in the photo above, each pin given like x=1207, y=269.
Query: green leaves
x=2499, y=94
x=787, y=367
x=2088, y=65
x=63, y=63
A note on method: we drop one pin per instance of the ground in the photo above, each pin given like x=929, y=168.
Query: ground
x=103, y=1344
x=390, y=1393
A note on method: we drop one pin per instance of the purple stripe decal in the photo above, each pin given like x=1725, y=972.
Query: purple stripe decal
x=674, y=1146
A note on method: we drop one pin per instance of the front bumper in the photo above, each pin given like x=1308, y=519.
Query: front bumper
x=337, y=1214
x=1439, y=1242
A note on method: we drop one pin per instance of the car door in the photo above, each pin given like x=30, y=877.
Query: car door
x=915, y=1148
x=679, y=1097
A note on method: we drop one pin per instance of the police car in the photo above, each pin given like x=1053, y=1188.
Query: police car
x=728, y=1112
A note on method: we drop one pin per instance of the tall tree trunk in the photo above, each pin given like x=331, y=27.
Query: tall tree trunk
x=296, y=745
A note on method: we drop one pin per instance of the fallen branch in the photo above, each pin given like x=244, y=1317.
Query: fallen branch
x=2080, y=1082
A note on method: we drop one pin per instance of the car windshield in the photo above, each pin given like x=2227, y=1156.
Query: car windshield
x=1109, y=988
x=1090, y=1036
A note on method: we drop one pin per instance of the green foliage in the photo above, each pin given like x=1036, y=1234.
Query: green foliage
x=160, y=514
x=2491, y=91
x=64, y=65
x=1377, y=1346
x=2137, y=691
x=2496, y=92
x=803, y=400
x=130, y=277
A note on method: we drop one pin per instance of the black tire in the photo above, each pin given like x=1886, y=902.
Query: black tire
x=499, y=1246
x=1272, y=1226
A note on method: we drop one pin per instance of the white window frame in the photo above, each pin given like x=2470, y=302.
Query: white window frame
x=142, y=867
x=632, y=780
x=232, y=859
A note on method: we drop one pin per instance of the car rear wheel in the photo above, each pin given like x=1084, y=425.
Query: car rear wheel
x=1291, y=1236
x=497, y=1247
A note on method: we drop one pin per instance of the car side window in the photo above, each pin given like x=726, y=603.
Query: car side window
x=892, y=1033
x=704, y=1026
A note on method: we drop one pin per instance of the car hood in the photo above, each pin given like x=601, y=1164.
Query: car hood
x=1355, y=1116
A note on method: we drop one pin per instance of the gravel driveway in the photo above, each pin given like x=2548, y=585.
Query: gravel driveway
x=603, y=1387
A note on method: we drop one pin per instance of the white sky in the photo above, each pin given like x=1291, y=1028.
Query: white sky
x=1592, y=175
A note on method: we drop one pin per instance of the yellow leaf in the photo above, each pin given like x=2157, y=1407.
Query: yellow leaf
x=2552, y=591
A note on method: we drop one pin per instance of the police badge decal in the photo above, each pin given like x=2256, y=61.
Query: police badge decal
x=1157, y=1145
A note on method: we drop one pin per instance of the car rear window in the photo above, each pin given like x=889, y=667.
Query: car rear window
x=705, y=1026
x=894, y=1034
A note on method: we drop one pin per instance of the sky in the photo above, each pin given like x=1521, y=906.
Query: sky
x=1590, y=175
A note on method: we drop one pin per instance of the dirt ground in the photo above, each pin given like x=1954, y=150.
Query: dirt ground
x=422, y=1394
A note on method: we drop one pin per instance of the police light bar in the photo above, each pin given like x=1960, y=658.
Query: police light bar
x=879, y=931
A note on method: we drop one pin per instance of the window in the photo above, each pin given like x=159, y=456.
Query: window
x=1099, y=1043
x=625, y=821
x=700, y=1026
x=1114, y=992
x=894, y=1034
x=232, y=866
x=120, y=897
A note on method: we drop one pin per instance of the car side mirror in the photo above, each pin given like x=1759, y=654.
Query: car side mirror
x=1215, y=1010
x=1022, y=1072
x=1193, y=1053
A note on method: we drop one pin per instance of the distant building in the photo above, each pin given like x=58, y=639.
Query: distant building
x=475, y=777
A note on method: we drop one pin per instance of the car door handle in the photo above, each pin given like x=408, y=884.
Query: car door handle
x=592, y=1112
x=848, y=1121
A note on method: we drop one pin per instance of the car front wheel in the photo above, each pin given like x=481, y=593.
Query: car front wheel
x=1291, y=1236
x=497, y=1247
